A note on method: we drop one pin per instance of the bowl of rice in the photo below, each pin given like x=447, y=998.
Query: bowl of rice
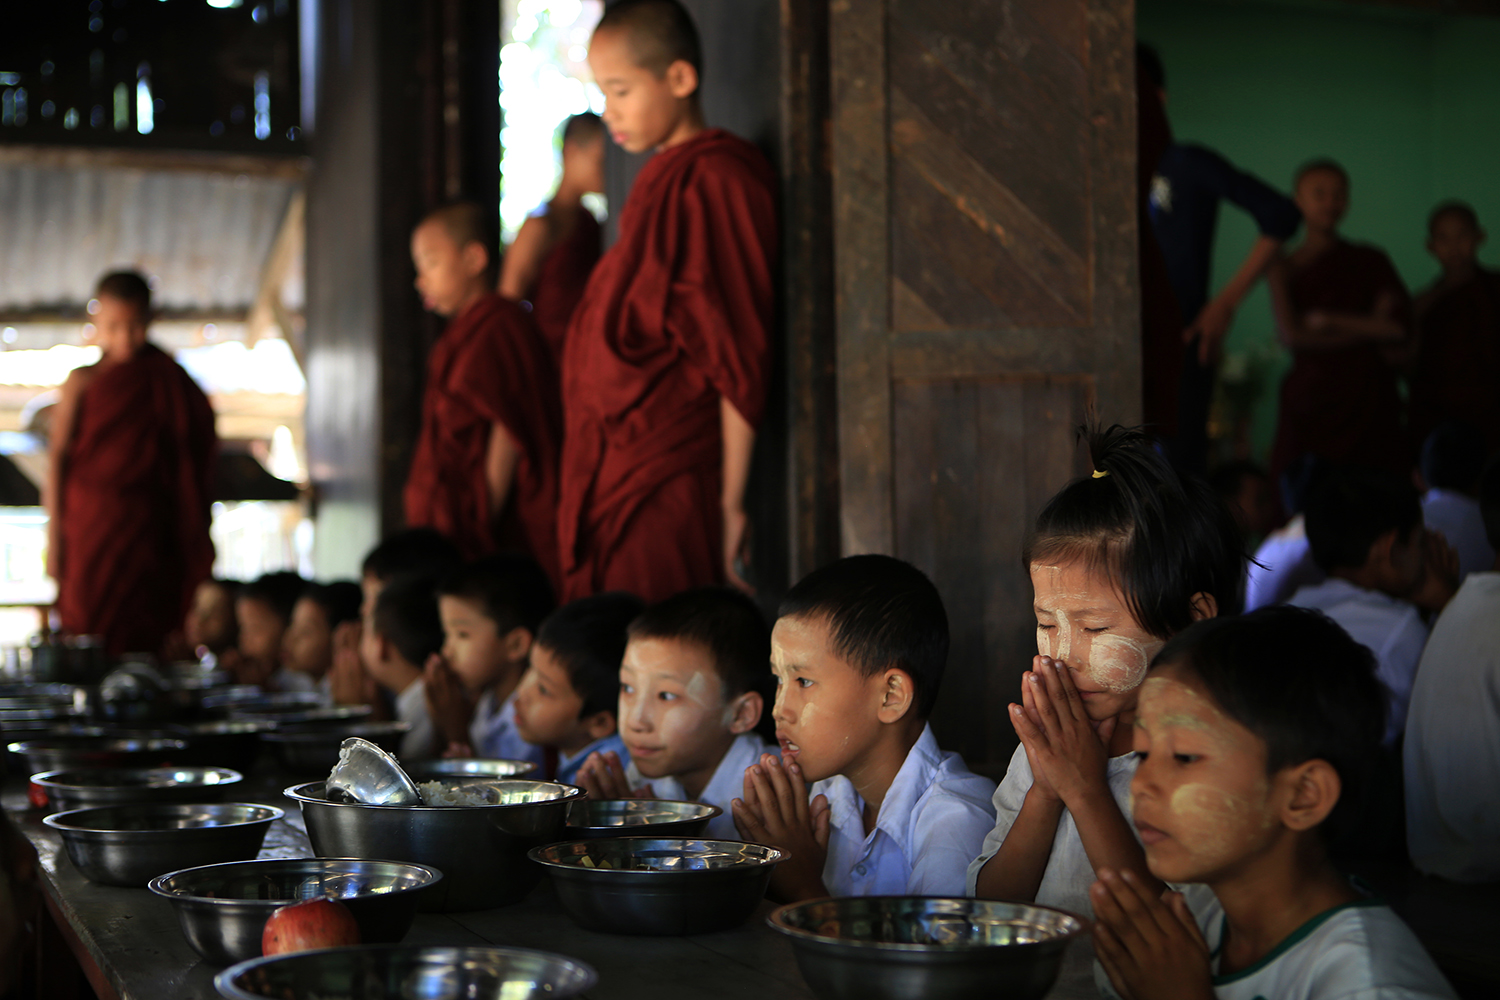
x=480, y=830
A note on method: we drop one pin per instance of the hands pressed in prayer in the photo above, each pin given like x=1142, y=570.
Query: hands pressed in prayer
x=348, y=681
x=775, y=811
x=1439, y=580
x=1068, y=752
x=1149, y=945
x=603, y=777
x=448, y=703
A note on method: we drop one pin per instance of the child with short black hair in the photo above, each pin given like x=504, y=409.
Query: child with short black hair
x=491, y=611
x=568, y=697
x=263, y=609
x=1255, y=737
x=694, y=685
x=325, y=615
x=1384, y=570
x=402, y=630
x=858, y=650
x=1120, y=562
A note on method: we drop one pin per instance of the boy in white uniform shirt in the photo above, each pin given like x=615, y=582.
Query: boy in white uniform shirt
x=695, y=685
x=1255, y=736
x=858, y=651
x=401, y=630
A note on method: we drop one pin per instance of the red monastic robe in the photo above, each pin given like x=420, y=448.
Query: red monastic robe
x=676, y=316
x=489, y=367
x=1342, y=405
x=1457, y=371
x=561, y=279
x=135, y=503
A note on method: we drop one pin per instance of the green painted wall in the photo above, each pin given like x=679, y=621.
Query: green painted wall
x=1409, y=102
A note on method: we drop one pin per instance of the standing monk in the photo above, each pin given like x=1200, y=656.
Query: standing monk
x=550, y=260
x=485, y=468
x=128, y=484
x=664, y=372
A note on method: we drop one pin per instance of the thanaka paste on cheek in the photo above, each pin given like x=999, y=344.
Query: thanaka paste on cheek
x=1119, y=663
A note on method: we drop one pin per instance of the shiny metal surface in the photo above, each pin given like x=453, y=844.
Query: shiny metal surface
x=660, y=886
x=306, y=716
x=69, y=753
x=639, y=818
x=367, y=972
x=226, y=743
x=251, y=699
x=464, y=768
x=14, y=697
x=223, y=908
x=114, y=786
x=314, y=749
x=482, y=847
x=131, y=845
x=366, y=773
x=901, y=947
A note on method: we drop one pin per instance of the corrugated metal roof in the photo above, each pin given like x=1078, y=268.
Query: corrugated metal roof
x=202, y=236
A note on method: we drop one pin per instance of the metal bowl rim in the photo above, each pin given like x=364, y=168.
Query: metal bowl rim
x=48, y=779
x=103, y=744
x=333, y=733
x=157, y=884
x=713, y=813
x=774, y=856
x=433, y=766
x=572, y=793
x=776, y=921
x=56, y=820
x=224, y=981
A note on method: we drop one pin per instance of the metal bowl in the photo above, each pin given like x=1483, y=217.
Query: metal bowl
x=900, y=947
x=639, y=818
x=71, y=753
x=315, y=749
x=371, y=971
x=118, y=786
x=337, y=715
x=366, y=773
x=229, y=743
x=223, y=908
x=467, y=769
x=248, y=698
x=131, y=845
x=483, y=847
x=653, y=885
x=20, y=697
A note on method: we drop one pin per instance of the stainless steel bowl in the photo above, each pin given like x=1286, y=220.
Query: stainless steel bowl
x=223, y=908
x=70, y=753
x=652, y=885
x=247, y=698
x=467, y=769
x=20, y=697
x=482, y=847
x=131, y=845
x=227, y=743
x=903, y=947
x=639, y=818
x=117, y=786
x=372, y=971
x=314, y=749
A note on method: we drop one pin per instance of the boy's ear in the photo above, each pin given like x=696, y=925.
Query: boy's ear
x=1379, y=555
x=517, y=644
x=745, y=712
x=600, y=725
x=898, y=695
x=682, y=79
x=1312, y=789
x=476, y=259
x=1203, y=605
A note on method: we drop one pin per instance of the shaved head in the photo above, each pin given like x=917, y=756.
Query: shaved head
x=660, y=33
x=465, y=222
x=127, y=286
x=583, y=128
x=1460, y=211
x=1322, y=166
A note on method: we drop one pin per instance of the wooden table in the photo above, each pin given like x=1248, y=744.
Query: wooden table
x=131, y=946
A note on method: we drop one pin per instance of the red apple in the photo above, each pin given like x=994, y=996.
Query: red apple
x=310, y=924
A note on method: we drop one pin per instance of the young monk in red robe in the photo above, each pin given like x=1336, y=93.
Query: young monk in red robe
x=1455, y=375
x=550, y=260
x=1344, y=313
x=128, y=487
x=485, y=468
x=664, y=373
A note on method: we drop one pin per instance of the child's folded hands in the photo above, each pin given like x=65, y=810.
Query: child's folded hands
x=448, y=704
x=1149, y=945
x=1068, y=751
x=775, y=811
x=603, y=777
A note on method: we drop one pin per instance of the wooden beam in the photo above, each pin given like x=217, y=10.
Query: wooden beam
x=268, y=311
x=80, y=158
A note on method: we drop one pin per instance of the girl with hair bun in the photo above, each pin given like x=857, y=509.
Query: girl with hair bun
x=1120, y=561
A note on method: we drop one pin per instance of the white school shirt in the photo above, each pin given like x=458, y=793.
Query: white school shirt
x=1458, y=518
x=1452, y=749
x=726, y=785
x=411, y=707
x=1282, y=564
x=493, y=731
x=930, y=823
x=1387, y=626
x=1358, y=951
x=1066, y=880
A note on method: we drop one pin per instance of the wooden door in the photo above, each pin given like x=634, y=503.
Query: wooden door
x=985, y=269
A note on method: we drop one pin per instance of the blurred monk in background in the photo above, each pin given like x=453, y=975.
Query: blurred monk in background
x=128, y=485
x=485, y=468
x=664, y=375
x=550, y=260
